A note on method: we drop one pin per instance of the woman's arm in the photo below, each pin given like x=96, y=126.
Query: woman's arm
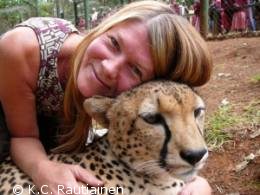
x=27, y=153
x=30, y=156
x=19, y=66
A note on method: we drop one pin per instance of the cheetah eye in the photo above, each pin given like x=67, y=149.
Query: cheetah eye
x=152, y=118
x=198, y=112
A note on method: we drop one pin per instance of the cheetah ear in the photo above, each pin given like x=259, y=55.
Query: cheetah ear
x=97, y=107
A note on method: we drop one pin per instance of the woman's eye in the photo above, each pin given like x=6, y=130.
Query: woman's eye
x=114, y=42
x=137, y=72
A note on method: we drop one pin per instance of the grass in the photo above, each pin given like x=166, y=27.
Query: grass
x=224, y=118
x=252, y=112
x=254, y=185
x=256, y=78
x=220, y=120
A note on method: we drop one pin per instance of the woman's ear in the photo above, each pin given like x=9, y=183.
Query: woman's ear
x=97, y=107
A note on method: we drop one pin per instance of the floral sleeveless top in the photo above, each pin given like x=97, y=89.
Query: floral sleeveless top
x=51, y=34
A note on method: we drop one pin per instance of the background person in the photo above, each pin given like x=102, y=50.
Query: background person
x=196, y=16
x=251, y=15
x=81, y=24
x=239, y=19
x=175, y=6
x=227, y=14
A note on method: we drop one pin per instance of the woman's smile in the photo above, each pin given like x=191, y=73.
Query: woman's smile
x=98, y=78
x=116, y=61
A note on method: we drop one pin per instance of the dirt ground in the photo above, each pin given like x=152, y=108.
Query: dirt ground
x=236, y=62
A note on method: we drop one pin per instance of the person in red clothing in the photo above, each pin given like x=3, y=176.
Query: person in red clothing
x=239, y=19
x=227, y=14
x=196, y=16
x=175, y=6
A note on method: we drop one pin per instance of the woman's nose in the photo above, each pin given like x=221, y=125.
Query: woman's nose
x=111, y=67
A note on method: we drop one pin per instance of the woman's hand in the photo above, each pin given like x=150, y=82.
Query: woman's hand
x=198, y=186
x=51, y=177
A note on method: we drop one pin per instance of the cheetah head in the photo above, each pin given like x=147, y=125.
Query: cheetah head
x=155, y=129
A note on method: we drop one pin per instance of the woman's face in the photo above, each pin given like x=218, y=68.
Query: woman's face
x=116, y=61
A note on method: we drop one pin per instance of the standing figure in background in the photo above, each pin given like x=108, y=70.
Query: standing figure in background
x=81, y=24
x=175, y=6
x=250, y=14
x=227, y=14
x=239, y=22
x=196, y=18
x=184, y=11
x=94, y=18
x=216, y=12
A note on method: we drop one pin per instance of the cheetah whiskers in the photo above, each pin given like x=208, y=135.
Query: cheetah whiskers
x=151, y=167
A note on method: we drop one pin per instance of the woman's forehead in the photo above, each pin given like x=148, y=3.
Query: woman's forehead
x=133, y=39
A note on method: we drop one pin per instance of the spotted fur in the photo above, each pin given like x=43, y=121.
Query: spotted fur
x=155, y=141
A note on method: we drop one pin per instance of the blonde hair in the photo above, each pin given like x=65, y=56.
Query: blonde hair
x=179, y=53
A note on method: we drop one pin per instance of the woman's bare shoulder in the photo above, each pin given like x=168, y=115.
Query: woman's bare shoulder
x=20, y=55
x=19, y=41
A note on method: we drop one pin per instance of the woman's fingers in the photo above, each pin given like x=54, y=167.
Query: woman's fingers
x=86, y=177
x=198, y=186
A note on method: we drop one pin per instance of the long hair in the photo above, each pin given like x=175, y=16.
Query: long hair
x=178, y=51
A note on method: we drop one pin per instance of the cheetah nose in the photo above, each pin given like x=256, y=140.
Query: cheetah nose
x=193, y=156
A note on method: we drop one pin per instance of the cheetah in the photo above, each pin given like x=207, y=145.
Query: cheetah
x=154, y=142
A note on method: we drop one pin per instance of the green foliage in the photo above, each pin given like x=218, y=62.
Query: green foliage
x=46, y=9
x=186, y=2
x=5, y=3
x=256, y=78
x=13, y=12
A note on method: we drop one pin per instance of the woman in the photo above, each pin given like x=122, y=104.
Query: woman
x=239, y=22
x=45, y=62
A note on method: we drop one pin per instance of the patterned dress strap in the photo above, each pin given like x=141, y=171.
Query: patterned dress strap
x=51, y=34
